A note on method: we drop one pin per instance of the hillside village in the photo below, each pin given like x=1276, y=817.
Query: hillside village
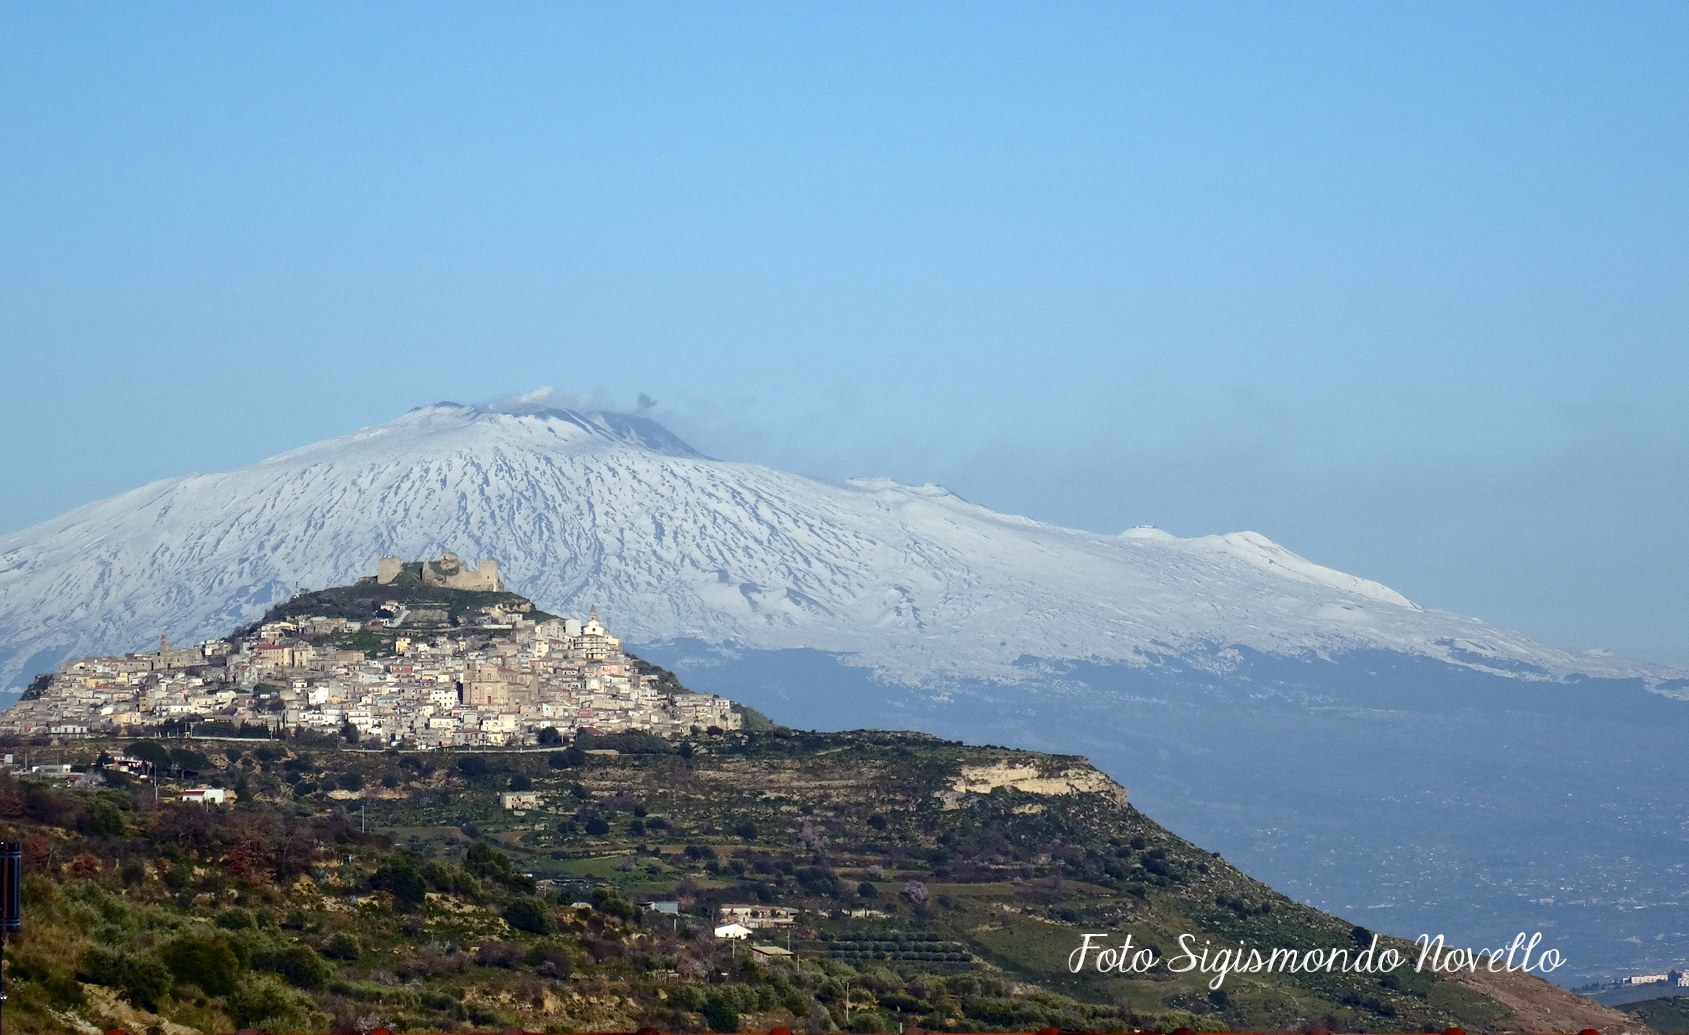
x=498, y=674
x=732, y=879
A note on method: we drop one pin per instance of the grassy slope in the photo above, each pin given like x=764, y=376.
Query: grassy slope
x=1667, y=1014
x=310, y=920
x=359, y=602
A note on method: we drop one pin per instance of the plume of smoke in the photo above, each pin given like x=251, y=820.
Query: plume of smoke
x=550, y=397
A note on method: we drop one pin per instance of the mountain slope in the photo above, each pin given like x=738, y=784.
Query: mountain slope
x=1328, y=735
x=910, y=581
x=972, y=872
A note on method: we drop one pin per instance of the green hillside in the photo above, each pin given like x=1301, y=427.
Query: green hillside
x=1668, y=1014
x=925, y=896
x=360, y=601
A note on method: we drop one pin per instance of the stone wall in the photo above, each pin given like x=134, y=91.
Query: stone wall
x=448, y=571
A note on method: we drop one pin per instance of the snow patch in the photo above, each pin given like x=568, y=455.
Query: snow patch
x=1257, y=549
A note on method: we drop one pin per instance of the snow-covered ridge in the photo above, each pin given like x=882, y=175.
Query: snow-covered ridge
x=1257, y=549
x=613, y=510
x=576, y=432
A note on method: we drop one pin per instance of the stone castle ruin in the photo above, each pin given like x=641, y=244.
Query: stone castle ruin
x=448, y=572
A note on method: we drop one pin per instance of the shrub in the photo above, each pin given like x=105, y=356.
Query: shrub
x=141, y=977
x=482, y=860
x=44, y=805
x=528, y=914
x=403, y=880
x=263, y=1003
x=608, y=901
x=236, y=920
x=351, y=781
x=721, y=1016
x=449, y=879
x=205, y=961
x=746, y=830
x=102, y=819
x=189, y=760
x=150, y=751
x=342, y=946
x=597, y=827
x=520, y=782
x=303, y=764
x=297, y=964
x=550, y=737
x=499, y=954
x=867, y=1021
x=549, y=960
x=472, y=766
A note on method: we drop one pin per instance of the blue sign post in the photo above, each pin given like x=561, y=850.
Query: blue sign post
x=11, y=898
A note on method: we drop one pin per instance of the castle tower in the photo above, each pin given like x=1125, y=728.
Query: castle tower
x=163, y=644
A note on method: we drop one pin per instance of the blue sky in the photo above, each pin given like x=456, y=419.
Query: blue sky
x=1400, y=286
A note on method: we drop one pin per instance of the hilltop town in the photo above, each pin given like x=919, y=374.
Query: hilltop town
x=426, y=654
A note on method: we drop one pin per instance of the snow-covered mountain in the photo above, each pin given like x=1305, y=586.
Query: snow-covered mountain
x=1412, y=769
x=912, y=582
